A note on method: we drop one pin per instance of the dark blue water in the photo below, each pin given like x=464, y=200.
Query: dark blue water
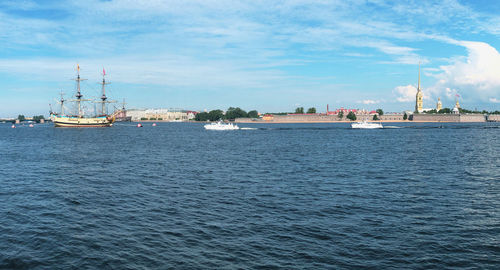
x=288, y=196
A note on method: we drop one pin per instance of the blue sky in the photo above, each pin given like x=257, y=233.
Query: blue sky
x=266, y=55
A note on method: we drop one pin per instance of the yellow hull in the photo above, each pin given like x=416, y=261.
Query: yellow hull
x=67, y=121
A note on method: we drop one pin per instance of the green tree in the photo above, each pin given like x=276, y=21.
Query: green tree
x=340, y=115
x=405, y=116
x=299, y=110
x=233, y=113
x=253, y=114
x=202, y=116
x=38, y=118
x=461, y=110
x=351, y=116
x=431, y=111
x=215, y=115
x=375, y=118
x=380, y=112
x=21, y=118
x=445, y=110
x=311, y=110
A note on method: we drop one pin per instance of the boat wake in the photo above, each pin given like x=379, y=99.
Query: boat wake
x=248, y=128
x=392, y=127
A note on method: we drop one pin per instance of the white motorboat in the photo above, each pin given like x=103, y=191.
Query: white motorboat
x=367, y=125
x=221, y=126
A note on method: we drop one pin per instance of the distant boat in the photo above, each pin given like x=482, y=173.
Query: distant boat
x=366, y=125
x=79, y=119
x=121, y=116
x=221, y=126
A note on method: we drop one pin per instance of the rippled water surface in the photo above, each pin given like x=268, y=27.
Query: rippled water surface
x=288, y=196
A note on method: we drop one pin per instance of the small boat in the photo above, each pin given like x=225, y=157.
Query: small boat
x=221, y=126
x=366, y=125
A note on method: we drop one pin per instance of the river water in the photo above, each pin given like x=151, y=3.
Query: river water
x=280, y=196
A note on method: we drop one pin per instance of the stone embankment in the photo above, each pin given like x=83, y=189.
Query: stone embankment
x=315, y=118
x=459, y=118
x=494, y=118
x=323, y=118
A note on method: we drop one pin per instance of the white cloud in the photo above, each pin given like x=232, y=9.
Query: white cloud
x=369, y=101
x=475, y=77
x=494, y=100
x=405, y=93
x=167, y=71
x=354, y=54
x=481, y=68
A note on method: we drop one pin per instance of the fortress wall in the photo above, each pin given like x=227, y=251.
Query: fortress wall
x=304, y=118
x=472, y=118
x=297, y=118
x=391, y=117
x=494, y=117
x=449, y=118
x=360, y=117
x=422, y=117
x=294, y=118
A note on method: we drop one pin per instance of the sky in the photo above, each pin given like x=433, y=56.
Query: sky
x=272, y=56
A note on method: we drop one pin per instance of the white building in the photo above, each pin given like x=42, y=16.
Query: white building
x=160, y=114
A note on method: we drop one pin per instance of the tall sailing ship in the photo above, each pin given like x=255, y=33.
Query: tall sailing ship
x=79, y=118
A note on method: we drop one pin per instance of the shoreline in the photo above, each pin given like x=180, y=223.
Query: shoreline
x=302, y=122
x=340, y=122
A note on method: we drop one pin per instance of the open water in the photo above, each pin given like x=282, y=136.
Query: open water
x=281, y=196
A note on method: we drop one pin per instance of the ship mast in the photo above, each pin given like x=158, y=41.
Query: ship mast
x=103, y=97
x=62, y=103
x=78, y=92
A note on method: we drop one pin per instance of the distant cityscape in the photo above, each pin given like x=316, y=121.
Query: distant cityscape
x=420, y=114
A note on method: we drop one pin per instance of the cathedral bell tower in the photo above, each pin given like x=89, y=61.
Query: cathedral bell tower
x=439, y=105
x=419, y=104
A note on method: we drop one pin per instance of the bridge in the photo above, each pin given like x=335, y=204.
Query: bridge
x=7, y=120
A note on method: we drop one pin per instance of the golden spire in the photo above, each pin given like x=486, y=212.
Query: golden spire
x=419, y=97
x=418, y=88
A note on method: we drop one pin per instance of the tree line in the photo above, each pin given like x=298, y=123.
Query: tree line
x=300, y=110
x=36, y=118
x=448, y=110
x=231, y=114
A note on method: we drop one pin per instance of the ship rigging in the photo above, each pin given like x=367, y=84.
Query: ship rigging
x=101, y=119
